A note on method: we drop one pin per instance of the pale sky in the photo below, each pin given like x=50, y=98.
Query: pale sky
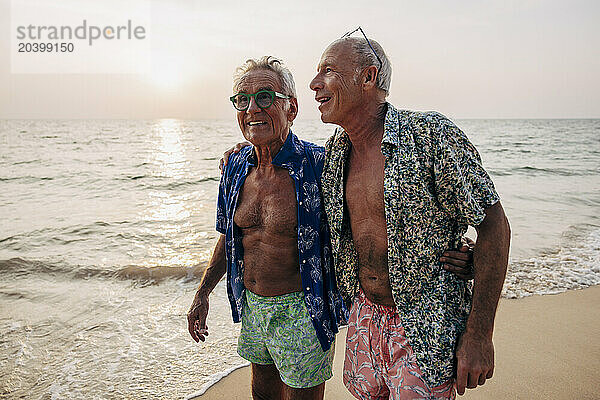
x=466, y=59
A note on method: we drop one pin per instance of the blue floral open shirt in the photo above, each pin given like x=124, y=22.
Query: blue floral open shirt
x=304, y=161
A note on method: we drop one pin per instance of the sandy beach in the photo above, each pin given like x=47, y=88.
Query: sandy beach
x=547, y=347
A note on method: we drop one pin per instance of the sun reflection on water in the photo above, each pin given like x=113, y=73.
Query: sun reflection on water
x=167, y=211
x=170, y=150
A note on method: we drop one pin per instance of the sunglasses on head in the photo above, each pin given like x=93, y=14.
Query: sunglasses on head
x=367, y=39
x=263, y=98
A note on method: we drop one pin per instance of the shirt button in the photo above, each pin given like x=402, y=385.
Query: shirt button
x=300, y=203
x=303, y=261
x=291, y=172
x=307, y=289
x=300, y=234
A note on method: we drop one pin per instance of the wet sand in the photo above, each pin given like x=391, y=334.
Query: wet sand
x=547, y=347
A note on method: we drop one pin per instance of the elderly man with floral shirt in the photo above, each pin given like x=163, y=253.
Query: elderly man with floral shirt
x=400, y=187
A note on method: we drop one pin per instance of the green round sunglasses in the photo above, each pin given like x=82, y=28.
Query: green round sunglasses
x=264, y=99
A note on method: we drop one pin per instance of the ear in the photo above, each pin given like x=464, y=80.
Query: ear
x=293, y=109
x=369, y=77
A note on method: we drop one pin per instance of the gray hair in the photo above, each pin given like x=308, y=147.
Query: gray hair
x=270, y=63
x=365, y=58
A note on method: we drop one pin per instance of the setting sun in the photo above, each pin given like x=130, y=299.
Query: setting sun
x=166, y=75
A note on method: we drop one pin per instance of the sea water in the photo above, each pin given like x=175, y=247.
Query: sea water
x=105, y=226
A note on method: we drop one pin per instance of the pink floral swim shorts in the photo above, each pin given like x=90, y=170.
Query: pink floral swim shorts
x=380, y=362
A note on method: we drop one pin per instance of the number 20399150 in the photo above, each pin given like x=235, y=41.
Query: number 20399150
x=46, y=47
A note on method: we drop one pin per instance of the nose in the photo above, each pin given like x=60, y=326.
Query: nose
x=317, y=83
x=253, y=108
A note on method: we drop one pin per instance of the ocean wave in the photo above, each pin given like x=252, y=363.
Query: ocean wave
x=575, y=266
x=180, y=184
x=159, y=273
x=26, y=162
x=537, y=171
x=54, y=234
x=27, y=178
x=213, y=379
x=138, y=273
x=169, y=185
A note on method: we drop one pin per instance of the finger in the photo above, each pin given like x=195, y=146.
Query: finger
x=226, y=157
x=459, y=266
x=462, y=269
x=466, y=270
x=454, y=269
x=462, y=273
x=458, y=255
x=461, y=379
x=468, y=241
x=192, y=327
x=472, y=380
x=490, y=373
x=481, y=380
x=202, y=321
x=464, y=277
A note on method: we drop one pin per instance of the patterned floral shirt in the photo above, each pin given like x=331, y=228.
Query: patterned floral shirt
x=304, y=161
x=434, y=187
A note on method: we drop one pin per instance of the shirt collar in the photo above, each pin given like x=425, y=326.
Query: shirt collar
x=391, y=127
x=290, y=153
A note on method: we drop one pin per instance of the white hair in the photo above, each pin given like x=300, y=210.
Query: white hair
x=365, y=58
x=270, y=63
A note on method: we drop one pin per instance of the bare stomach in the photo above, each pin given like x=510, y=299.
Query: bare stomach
x=373, y=272
x=271, y=265
x=376, y=286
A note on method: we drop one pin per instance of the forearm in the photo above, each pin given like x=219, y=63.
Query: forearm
x=215, y=270
x=490, y=260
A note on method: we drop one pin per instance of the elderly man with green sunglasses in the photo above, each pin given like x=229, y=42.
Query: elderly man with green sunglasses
x=274, y=244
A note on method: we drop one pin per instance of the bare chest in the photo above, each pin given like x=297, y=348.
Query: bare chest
x=268, y=204
x=364, y=190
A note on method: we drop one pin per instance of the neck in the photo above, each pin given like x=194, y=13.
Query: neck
x=267, y=152
x=365, y=128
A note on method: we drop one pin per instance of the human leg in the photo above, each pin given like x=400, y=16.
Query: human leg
x=278, y=337
x=363, y=376
x=266, y=383
x=312, y=393
x=403, y=376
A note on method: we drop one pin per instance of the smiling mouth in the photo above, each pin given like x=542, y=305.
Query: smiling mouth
x=254, y=123
x=323, y=100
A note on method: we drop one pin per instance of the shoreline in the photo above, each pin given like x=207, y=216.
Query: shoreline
x=547, y=346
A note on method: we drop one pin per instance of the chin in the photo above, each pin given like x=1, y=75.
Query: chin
x=325, y=118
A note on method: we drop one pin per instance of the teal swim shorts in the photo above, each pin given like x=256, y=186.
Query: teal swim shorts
x=278, y=330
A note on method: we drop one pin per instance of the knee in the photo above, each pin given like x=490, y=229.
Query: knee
x=261, y=393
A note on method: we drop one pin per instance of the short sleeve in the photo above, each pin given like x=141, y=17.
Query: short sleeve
x=221, y=224
x=464, y=189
